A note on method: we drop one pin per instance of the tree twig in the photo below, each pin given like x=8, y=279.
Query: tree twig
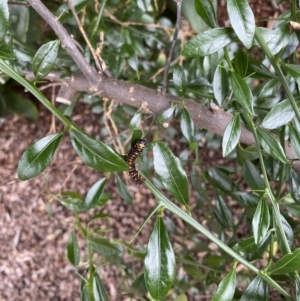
x=168, y=63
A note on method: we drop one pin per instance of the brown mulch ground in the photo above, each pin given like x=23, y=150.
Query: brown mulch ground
x=34, y=228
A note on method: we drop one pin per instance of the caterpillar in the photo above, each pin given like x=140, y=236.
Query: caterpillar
x=134, y=152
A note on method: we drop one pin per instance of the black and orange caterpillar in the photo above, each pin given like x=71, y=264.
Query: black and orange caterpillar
x=134, y=152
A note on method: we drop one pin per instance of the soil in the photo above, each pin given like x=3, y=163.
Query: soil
x=35, y=227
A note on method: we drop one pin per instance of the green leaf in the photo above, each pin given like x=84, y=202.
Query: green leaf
x=44, y=59
x=293, y=71
x=102, y=246
x=226, y=287
x=258, y=70
x=166, y=115
x=240, y=62
x=231, y=135
x=221, y=179
x=99, y=291
x=295, y=140
x=220, y=84
x=94, y=196
x=135, y=121
x=297, y=287
x=280, y=114
x=256, y=291
x=242, y=20
x=123, y=190
x=249, y=249
x=143, y=4
x=280, y=39
x=4, y=18
x=295, y=185
x=136, y=134
x=253, y=177
x=73, y=249
x=208, y=42
x=7, y=52
x=180, y=80
x=261, y=221
x=18, y=23
x=98, y=216
x=293, y=209
x=96, y=154
x=74, y=202
x=84, y=289
x=287, y=264
x=206, y=11
x=170, y=172
x=249, y=153
x=270, y=89
x=187, y=125
x=223, y=214
x=64, y=13
x=160, y=265
x=242, y=92
x=38, y=156
x=130, y=55
x=289, y=233
x=271, y=145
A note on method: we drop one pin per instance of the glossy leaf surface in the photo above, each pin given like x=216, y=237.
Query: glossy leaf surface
x=242, y=20
x=73, y=249
x=159, y=262
x=103, y=246
x=261, y=221
x=44, y=59
x=94, y=196
x=180, y=80
x=207, y=42
x=170, y=172
x=287, y=264
x=123, y=190
x=295, y=185
x=38, y=156
x=223, y=214
x=295, y=140
x=4, y=17
x=220, y=84
x=206, y=11
x=242, y=92
x=226, y=287
x=99, y=291
x=96, y=154
x=187, y=125
x=256, y=291
x=231, y=135
x=271, y=145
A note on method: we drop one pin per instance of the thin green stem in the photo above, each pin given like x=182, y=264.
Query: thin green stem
x=191, y=221
x=98, y=19
x=269, y=192
x=278, y=71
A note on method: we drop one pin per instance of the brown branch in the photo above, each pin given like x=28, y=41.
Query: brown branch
x=67, y=42
x=213, y=120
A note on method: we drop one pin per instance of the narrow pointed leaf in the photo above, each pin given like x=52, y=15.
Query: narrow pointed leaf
x=160, y=263
x=220, y=84
x=252, y=177
x=73, y=249
x=226, y=287
x=166, y=115
x=242, y=20
x=99, y=291
x=94, y=196
x=280, y=114
x=287, y=264
x=4, y=18
x=270, y=89
x=242, y=92
x=123, y=190
x=102, y=246
x=135, y=121
x=293, y=71
x=180, y=80
x=208, y=42
x=38, y=156
x=289, y=234
x=261, y=221
x=231, y=135
x=240, y=62
x=170, y=172
x=295, y=140
x=44, y=59
x=295, y=185
x=97, y=154
x=271, y=146
x=187, y=125
x=206, y=11
x=223, y=214
x=297, y=287
x=256, y=291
